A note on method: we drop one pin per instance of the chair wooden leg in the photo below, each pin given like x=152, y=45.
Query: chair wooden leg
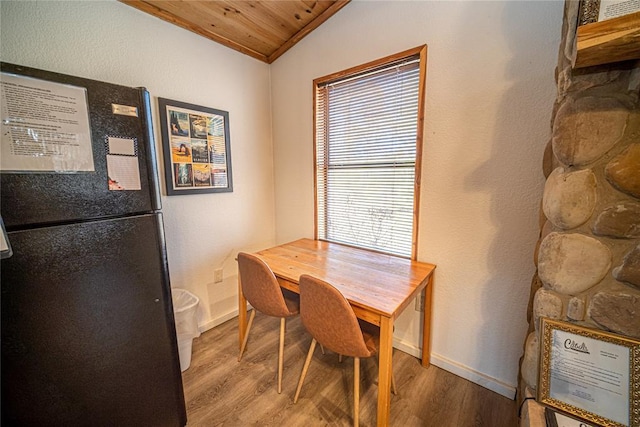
x=322, y=348
x=281, y=355
x=304, y=369
x=246, y=335
x=356, y=391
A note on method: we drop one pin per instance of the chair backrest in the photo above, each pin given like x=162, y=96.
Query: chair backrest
x=329, y=318
x=260, y=286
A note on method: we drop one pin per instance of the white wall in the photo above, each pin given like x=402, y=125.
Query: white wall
x=490, y=91
x=113, y=42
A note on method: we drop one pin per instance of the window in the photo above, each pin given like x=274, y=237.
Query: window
x=368, y=134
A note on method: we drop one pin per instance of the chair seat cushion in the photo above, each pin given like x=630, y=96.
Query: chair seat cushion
x=292, y=300
x=371, y=335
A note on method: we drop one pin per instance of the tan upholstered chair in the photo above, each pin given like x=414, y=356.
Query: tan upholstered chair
x=261, y=289
x=330, y=320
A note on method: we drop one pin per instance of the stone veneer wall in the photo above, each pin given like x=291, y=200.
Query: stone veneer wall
x=588, y=254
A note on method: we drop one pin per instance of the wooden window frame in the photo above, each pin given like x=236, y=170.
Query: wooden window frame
x=420, y=51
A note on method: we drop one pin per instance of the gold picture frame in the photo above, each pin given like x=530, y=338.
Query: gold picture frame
x=589, y=374
x=589, y=10
x=592, y=11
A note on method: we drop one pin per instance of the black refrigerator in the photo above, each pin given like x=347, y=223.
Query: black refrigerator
x=88, y=333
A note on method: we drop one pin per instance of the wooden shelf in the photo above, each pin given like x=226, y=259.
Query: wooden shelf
x=613, y=40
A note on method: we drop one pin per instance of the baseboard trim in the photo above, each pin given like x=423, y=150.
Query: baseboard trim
x=218, y=320
x=460, y=370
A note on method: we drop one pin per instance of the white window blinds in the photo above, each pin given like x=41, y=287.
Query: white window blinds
x=365, y=137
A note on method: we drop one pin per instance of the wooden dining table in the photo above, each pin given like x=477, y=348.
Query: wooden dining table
x=378, y=287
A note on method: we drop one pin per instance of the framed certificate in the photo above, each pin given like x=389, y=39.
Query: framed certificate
x=590, y=374
x=602, y=10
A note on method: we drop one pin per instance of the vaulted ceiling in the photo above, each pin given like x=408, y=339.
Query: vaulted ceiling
x=263, y=29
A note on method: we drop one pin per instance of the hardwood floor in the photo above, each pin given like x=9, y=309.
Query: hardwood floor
x=220, y=391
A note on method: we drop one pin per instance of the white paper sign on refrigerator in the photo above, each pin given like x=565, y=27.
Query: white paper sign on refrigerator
x=44, y=127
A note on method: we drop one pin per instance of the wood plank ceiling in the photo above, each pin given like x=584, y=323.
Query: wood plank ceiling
x=263, y=29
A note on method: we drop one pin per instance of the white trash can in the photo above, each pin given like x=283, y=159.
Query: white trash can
x=185, y=309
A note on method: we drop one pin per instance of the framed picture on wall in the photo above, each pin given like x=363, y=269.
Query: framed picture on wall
x=589, y=374
x=196, y=148
x=602, y=10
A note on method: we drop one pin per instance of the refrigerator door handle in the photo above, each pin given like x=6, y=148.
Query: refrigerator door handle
x=5, y=246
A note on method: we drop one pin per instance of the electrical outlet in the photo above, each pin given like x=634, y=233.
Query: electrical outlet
x=217, y=275
x=420, y=302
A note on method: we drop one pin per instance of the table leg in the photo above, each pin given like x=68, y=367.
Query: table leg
x=426, y=323
x=242, y=314
x=384, y=370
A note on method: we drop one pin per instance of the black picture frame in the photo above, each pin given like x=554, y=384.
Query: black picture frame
x=196, y=148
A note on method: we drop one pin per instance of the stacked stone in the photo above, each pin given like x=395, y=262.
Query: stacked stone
x=588, y=254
